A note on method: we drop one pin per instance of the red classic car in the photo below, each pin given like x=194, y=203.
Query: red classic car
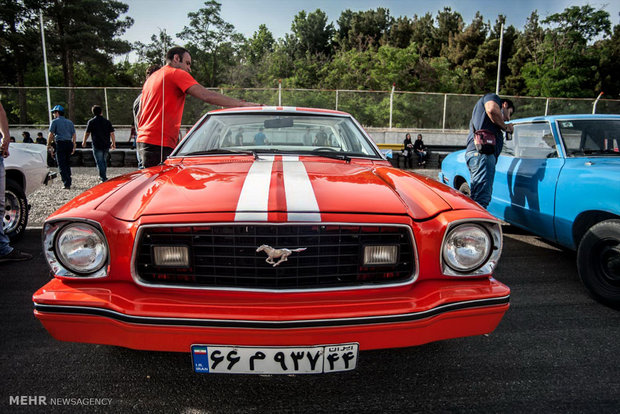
x=273, y=240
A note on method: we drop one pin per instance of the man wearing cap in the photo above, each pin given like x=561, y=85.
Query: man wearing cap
x=62, y=131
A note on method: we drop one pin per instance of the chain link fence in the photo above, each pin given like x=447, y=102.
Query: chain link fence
x=380, y=109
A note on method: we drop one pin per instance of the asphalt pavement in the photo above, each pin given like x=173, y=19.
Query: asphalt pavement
x=556, y=350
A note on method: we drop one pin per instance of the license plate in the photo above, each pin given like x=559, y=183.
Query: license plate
x=222, y=359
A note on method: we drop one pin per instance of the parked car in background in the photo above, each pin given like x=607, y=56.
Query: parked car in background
x=26, y=171
x=559, y=177
x=287, y=254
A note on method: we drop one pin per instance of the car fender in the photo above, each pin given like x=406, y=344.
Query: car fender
x=454, y=170
x=27, y=164
x=587, y=188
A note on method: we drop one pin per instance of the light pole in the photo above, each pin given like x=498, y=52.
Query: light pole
x=499, y=60
x=47, y=80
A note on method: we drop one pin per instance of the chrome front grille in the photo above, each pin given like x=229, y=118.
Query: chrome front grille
x=225, y=256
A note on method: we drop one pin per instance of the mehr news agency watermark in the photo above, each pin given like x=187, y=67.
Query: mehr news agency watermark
x=42, y=400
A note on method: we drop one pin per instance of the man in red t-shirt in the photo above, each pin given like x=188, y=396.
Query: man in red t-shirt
x=161, y=106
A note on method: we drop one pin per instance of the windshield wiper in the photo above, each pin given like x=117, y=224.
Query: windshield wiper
x=221, y=151
x=332, y=155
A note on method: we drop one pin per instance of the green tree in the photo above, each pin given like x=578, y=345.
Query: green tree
x=282, y=61
x=364, y=29
x=462, y=46
x=486, y=58
x=209, y=38
x=259, y=45
x=449, y=24
x=528, y=47
x=569, y=67
x=393, y=65
x=312, y=32
x=400, y=33
x=154, y=53
x=350, y=69
x=422, y=34
x=19, y=45
x=609, y=64
x=251, y=67
x=83, y=31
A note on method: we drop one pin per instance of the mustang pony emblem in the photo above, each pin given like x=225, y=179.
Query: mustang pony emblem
x=281, y=254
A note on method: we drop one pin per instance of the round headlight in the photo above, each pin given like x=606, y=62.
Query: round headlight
x=467, y=247
x=81, y=248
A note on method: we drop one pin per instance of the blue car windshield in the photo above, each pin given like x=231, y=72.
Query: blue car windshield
x=584, y=137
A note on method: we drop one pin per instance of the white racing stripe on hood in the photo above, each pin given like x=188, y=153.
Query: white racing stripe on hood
x=254, y=199
x=300, y=198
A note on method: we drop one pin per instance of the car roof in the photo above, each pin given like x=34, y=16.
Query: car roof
x=280, y=109
x=553, y=118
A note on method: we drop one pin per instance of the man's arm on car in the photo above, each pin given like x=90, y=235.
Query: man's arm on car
x=215, y=98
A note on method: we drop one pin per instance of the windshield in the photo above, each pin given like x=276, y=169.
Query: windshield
x=590, y=136
x=277, y=133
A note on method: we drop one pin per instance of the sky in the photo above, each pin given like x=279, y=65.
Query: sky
x=277, y=15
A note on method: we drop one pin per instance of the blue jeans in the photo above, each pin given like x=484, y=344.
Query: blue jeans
x=4, y=239
x=64, y=149
x=482, y=170
x=140, y=165
x=101, y=159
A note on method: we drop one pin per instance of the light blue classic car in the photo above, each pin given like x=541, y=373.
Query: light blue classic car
x=559, y=177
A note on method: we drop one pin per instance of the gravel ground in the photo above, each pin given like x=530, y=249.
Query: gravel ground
x=49, y=198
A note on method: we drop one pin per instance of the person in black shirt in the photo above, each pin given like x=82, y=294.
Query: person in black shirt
x=408, y=151
x=103, y=139
x=27, y=138
x=420, y=150
x=491, y=114
x=40, y=139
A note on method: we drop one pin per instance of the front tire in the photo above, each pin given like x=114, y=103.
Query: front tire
x=15, y=214
x=464, y=188
x=598, y=262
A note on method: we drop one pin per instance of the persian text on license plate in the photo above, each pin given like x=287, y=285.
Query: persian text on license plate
x=274, y=360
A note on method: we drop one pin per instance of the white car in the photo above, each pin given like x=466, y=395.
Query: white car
x=26, y=171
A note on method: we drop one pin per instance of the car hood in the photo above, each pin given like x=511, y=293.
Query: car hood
x=254, y=190
x=24, y=154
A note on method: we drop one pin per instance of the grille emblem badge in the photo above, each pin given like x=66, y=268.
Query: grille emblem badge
x=281, y=254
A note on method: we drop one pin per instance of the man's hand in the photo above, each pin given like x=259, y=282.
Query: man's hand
x=74, y=147
x=4, y=149
x=510, y=128
x=84, y=144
